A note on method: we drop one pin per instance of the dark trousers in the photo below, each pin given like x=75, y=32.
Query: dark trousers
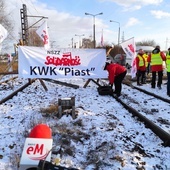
x=168, y=83
x=159, y=82
x=118, y=83
x=141, y=76
x=148, y=69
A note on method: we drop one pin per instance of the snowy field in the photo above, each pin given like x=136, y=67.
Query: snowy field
x=103, y=136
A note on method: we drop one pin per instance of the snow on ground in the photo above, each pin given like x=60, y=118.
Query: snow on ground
x=103, y=136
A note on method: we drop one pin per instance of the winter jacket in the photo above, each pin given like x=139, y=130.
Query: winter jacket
x=156, y=66
x=140, y=63
x=114, y=70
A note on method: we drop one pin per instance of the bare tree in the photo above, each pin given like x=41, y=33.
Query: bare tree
x=146, y=43
x=34, y=39
x=87, y=43
x=6, y=23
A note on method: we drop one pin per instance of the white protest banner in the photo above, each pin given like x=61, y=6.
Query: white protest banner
x=42, y=31
x=3, y=33
x=129, y=48
x=36, y=62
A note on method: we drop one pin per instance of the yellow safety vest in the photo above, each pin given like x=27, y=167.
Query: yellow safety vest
x=145, y=57
x=156, y=59
x=141, y=61
x=168, y=62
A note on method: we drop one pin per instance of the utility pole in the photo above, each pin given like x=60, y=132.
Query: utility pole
x=24, y=24
x=94, y=27
x=25, y=33
x=166, y=42
x=72, y=43
x=123, y=37
x=79, y=39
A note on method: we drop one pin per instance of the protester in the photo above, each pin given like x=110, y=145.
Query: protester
x=146, y=62
x=116, y=74
x=156, y=59
x=9, y=58
x=168, y=71
x=141, y=68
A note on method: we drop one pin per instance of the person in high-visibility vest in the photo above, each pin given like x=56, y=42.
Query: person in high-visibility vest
x=168, y=71
x=141, y=68
x=156, y=59
x=145, y=55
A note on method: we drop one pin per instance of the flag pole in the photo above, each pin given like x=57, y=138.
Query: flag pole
x=127, y=40
x=102, y=39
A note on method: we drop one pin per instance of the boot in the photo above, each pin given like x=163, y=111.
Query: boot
x=159, y=87
x=139, y=84
x=153, y=86
x=143, y=81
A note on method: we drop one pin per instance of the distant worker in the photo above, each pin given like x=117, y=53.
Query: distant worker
x=156, y=59
x=116, y=74
x=9, y=58
x=147, y=64
x=141, y=68
x=168, y=71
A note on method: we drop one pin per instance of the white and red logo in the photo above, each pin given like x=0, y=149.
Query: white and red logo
x=37, y=151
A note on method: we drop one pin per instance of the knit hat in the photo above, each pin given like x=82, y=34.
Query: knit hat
x=157, y=47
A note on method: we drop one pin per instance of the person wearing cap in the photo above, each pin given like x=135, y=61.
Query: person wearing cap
x=116, y=74
x=141, y=68
x=168, y=71
x=156, y=59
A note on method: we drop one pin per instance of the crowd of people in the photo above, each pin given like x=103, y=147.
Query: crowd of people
x=153, y=62
x=145, y=63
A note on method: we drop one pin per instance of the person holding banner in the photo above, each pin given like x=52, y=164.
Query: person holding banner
x=116, y=74
x=141, y=68
x=156, y=59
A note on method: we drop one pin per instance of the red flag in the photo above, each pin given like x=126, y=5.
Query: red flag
x=43, y=33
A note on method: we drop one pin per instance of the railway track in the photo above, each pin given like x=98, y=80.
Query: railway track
x=156, y=118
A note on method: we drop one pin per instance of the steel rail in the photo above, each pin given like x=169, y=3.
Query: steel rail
x=149, y=93
x=16, y=92
x=163, y=135
x=62, y=83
